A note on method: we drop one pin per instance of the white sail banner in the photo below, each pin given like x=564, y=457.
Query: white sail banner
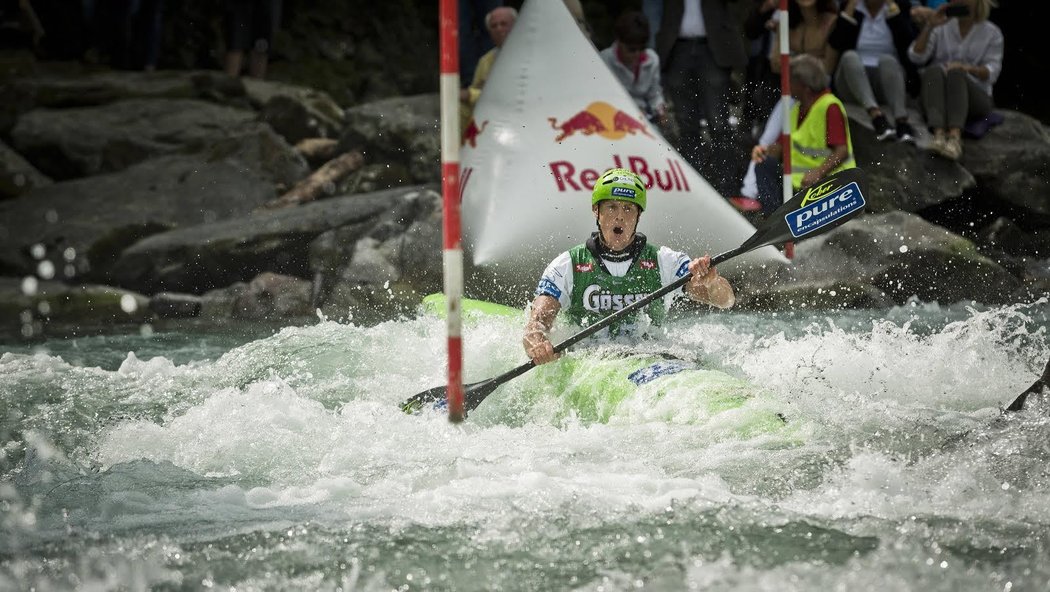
x=550, y=120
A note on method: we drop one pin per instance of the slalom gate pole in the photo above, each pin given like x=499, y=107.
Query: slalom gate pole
x=453, y=249
x=785, y=95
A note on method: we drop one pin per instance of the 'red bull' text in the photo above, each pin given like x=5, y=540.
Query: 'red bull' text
x=671, y=178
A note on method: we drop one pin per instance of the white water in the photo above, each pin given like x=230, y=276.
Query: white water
x=285, y=463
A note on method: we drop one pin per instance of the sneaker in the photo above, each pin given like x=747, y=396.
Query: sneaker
x=883, y=131
x=905, y=132
x=745, y=204
x=937, y=145
x=953, y=147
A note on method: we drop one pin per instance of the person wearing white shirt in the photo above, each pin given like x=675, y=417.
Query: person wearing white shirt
x=871, y=38
x=963, y=56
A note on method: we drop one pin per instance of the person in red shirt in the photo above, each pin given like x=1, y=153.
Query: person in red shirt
x=820, y=137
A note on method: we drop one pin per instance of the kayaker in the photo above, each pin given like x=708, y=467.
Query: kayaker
x=615, y=267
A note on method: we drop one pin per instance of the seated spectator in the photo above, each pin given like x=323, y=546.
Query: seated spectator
x=250, y=27
x=761, y=88
x=963, y=57
x=820, y=138
x=809, y=24
x=871, y=38
x=635, y=66
x=499, y=22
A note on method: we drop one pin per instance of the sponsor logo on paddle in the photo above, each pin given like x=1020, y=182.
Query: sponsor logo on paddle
x=822, y=205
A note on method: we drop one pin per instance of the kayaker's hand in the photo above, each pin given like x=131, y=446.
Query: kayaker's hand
x=538, y=346
x=703, y=274
x=707, y=285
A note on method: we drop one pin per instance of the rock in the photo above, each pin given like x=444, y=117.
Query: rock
x=903, y=176
x=209, y=256
x=273, y=296
x=83, y=141
x=294, y=112
x=29, y=306
x=400, y=131
x=89, y=222
x=904, y=256
x=17, y=176
x=172, y=305
x=1012, y=163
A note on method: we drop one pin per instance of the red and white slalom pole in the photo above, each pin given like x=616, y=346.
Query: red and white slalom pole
x=785, y=95
x=453, y=249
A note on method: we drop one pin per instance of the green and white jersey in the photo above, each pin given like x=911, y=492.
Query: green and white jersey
x=589, y=290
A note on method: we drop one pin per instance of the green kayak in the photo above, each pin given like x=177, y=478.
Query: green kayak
x=616, y=383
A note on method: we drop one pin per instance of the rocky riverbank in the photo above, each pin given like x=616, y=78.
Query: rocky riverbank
x=129, y=196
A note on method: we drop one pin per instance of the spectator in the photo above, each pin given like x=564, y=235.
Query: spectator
x=872, y=38
x=809, y=24
x=700, y=43
x=820, y=138
x=654, y=11
x=474, y=38
x=963, y=57
x=250, y=26
x=635, y=66
x=761, y=87
x=499, y=21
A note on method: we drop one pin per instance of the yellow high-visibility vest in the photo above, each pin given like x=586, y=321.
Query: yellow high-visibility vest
x=809, y=141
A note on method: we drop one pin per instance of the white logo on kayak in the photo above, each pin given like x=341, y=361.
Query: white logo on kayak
x=597, y=300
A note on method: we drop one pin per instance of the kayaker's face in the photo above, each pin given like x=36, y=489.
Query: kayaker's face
x=617, y=221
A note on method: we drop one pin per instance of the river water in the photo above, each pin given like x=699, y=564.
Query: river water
x=198, y=458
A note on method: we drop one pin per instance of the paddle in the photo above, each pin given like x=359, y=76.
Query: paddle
x=810, y=212
x=1037, y=386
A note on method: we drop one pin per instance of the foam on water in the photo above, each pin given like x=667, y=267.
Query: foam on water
x=890, y=446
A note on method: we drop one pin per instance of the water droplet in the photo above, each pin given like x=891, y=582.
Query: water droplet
x=45, y=269
x=69, y=254
x=128, y=303
x=30, y=285
x=38, y=251
x=903, y=249
x=51, y=216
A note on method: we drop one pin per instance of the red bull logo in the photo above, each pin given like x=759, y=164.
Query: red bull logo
x=672, y=178
x=599, y=118
x=471, y=133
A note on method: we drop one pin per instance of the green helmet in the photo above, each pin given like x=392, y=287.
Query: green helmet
x=621, y=185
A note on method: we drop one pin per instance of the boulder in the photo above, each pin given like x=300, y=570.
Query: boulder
x=88, y=222
x=83, y=141
x=210, y=256
x=903, y=256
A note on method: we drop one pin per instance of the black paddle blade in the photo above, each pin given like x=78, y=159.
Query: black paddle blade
x=813, y=211
x=1037, y=386
x=424, y=399
x=437, y=397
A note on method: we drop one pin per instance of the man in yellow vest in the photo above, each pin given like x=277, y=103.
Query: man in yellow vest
x=820, y=138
